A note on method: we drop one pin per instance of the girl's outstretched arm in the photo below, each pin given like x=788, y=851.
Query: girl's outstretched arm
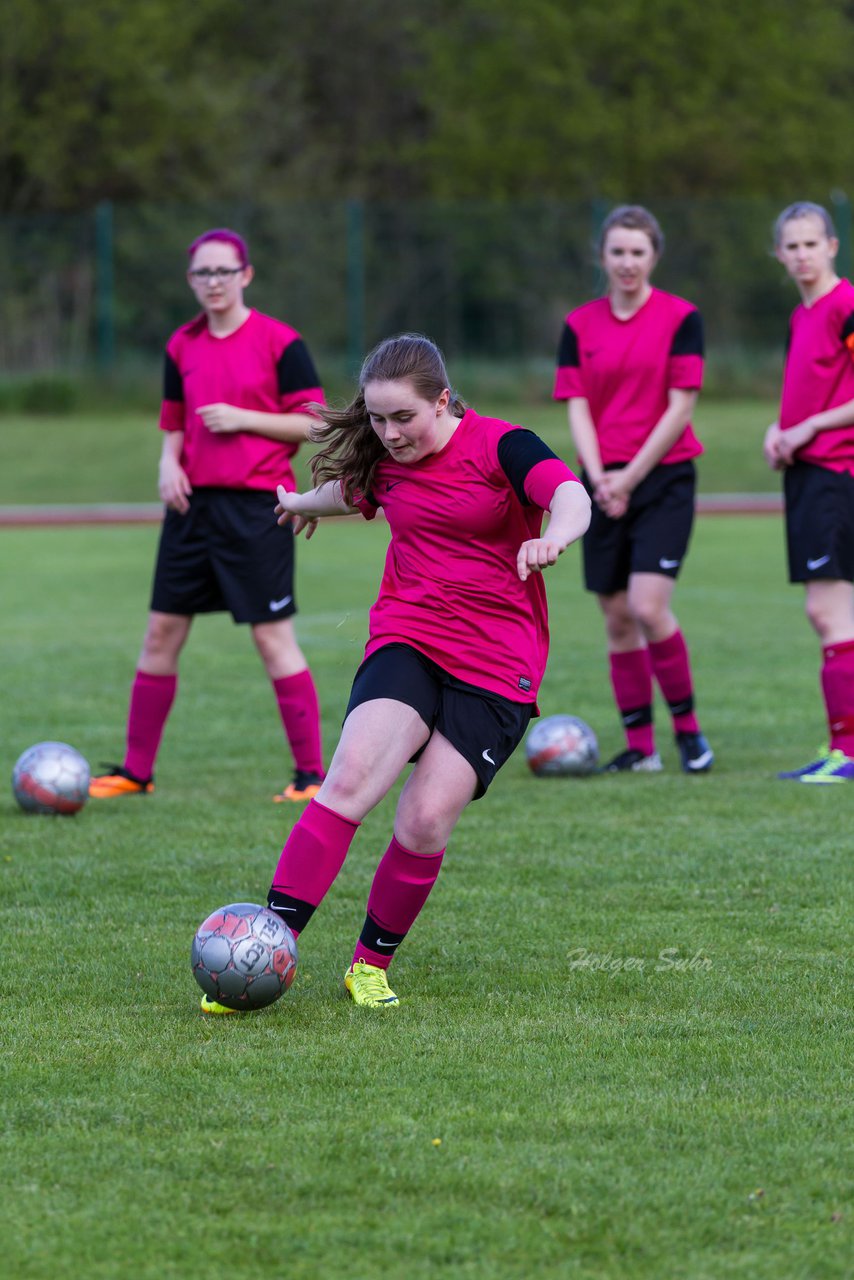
x=303, y=510
x=568, y=520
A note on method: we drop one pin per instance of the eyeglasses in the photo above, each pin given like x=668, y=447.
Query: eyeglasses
x=205, y=274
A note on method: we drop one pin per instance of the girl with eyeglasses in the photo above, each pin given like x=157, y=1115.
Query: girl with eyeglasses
x=236, y=387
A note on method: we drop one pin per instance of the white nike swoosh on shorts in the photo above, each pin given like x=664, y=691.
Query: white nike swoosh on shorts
x=816, y=564
x=276, y=605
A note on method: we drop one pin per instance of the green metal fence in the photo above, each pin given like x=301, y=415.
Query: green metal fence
x=487, y=280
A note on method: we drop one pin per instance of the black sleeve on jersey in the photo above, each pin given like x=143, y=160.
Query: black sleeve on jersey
x=847, y=328
x=688, y=338
x=296, y=370
x=173, y=383
x=519, y=451
x=567, y=352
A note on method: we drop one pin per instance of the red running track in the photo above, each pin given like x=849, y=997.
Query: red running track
x=115, y=513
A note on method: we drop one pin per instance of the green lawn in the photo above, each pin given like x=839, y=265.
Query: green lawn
x=553, y=1098
x=112, y=457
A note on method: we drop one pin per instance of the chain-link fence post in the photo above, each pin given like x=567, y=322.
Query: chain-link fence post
x=104, y=288
x=355, y=282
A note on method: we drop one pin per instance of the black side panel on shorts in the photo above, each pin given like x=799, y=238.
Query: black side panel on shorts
x=519, y=451
x=173, y=383
x=688, y=338
x=567, y=352
x=296, y=369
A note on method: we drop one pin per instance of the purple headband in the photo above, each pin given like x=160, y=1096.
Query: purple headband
x=227, y=237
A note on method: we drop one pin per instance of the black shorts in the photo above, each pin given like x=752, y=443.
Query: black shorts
x=227, y=552
x=819, y=522
x=484, y=727
x=653, y=535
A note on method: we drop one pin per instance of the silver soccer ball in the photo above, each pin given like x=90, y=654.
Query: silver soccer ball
x=562, y=747
x=244, y=956
x=51, y=777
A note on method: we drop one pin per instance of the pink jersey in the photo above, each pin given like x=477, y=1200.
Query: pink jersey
x=263, y=365
x=819, y=374
x=624, y=369
x=450, y=587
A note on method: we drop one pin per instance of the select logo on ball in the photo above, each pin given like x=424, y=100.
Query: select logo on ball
x=243, y=956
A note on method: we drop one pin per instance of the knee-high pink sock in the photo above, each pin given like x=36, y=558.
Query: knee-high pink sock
x=151, y=699
x=631, y=680
x=837, y=682
x=311, y=859
x=401, y=886
x=672, y=668
x=300, y=712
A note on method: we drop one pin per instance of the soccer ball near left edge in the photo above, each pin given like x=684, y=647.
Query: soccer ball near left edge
x=51, y=777
x=244, y=956
x=563, y=747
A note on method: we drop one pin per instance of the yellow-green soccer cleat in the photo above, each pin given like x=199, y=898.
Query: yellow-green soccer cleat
x=797, y=775
x=837, y=767
x=212, y=1006
x=368, y=985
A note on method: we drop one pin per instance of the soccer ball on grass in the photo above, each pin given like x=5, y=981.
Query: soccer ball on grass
x=244, y=956
x=562, y=746
x=51, y=777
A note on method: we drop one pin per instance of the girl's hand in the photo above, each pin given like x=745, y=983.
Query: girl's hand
x=173, y=485
x=537, y=554
x=771, y=447
x=288, y=511
x=220, y=417
x=612, y=494
x=794, y=439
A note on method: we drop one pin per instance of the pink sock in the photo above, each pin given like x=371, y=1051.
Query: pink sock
x=837, y=682
x=151, y=699
x=401, y=886
x=310, y=861
x=300, y=712
x=631, y=679
x=672, y=668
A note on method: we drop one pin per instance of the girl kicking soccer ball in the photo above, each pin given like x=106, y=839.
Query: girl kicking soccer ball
x=458, y=636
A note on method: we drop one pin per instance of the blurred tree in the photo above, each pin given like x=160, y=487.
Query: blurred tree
x=335, y=94
x=105, y=99
x=639, y=97
x=256, y=99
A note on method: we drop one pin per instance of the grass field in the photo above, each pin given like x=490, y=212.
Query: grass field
x=624, y=1048
x=112, y=457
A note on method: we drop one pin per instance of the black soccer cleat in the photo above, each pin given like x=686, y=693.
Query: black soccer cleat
x=633, y=761
x=696, y=754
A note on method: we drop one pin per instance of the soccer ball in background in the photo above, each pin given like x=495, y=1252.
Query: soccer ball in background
x=51, y=777
x=562, y=747
x=244, y=956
